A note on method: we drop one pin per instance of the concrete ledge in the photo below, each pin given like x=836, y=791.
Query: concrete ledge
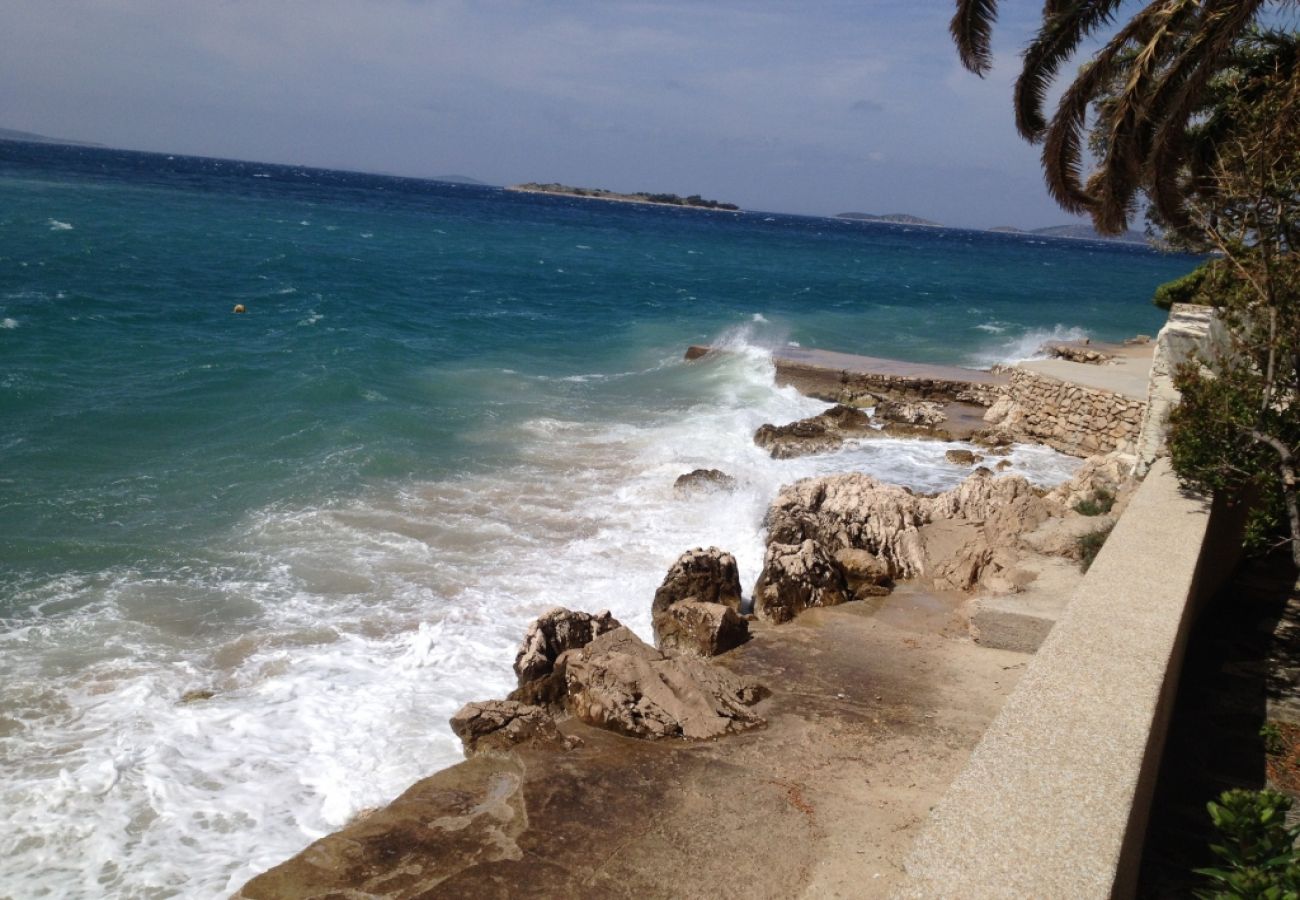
x=1053, y=802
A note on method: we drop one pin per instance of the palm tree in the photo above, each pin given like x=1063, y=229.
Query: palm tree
x=1146, y=87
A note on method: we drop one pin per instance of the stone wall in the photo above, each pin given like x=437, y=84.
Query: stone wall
x=1071, y=418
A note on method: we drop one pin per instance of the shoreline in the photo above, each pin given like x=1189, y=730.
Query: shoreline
x=919, y=636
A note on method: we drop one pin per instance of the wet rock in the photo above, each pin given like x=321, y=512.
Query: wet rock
x=864, y=574
x=796, y=577
x=621, y=683
x=539, y=664
x=703, y=481
x=1078, y=353
x=705, y=629
x=197, y=695
x=1003, y=465
x=925, y=413
x=705, y=575
x=962, y=457
x=818, y=434
x=498, y=726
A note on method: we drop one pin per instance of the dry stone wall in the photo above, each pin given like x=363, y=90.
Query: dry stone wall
x=1074, y=419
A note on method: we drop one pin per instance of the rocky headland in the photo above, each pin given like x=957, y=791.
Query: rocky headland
x=738, y=754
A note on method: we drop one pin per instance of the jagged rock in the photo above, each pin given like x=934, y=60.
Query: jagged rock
x=539, y=664
x=705, y=629
x=1060, y=537
x=703, y=575
x=818, y=434
x=621, y=683
x=1079, y=354
x=962, y=457
x=925, y=432
x=703, y=481
x=1003, y=465
x=796, y=577
x=1108, y=473
x=497, y=726
x=926, y=413
x=852, y=511
x=864, y=574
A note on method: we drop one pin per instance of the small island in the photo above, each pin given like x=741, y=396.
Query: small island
x=694, y=201
x=891, y=218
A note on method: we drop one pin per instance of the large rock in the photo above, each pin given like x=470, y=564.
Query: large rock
x=925, y=413
x=864, y=574
x=498, y=726
x=817, y=434
x=621, y=683
x=852, y=511
x=705, y=629
x=703, y=481
x=539, y=664
x=796, y=577
x=705, y=575
x=1109, y=473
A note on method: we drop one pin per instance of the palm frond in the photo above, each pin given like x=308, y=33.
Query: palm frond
x=972, y=31
x=1065, y=25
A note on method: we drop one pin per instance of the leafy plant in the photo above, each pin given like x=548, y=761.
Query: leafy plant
x=1271, y=735
x=1090, y=545
x=1100, y=503
x=1257, y=858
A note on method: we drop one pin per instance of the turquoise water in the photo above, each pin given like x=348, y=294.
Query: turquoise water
x=446, y=409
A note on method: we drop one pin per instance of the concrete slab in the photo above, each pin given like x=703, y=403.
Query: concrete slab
x=1127, y=374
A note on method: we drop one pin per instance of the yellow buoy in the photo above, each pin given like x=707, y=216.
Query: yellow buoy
x=239, y=307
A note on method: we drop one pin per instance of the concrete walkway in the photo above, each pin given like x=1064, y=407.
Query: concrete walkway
x=1127, y=374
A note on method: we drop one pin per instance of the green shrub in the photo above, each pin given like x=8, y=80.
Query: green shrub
x=1271, y=735
x=1090, y=546
x=1100, y=503
x=1257, y=858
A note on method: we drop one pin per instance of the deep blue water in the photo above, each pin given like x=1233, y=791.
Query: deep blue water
x=445, y=408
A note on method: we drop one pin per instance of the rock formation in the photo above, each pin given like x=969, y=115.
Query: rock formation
x=695, y=609
x=498, y=726
x=702, y=481
x=962, y=457
x=817, y=434
x=926, y=413
x=796, y=577
x=621, y=683
x=539, y=664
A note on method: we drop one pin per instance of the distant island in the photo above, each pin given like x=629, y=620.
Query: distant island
x=694, y=201
x=892, y=218
x=28, y=137
x=455, y=179
x=1079, y=233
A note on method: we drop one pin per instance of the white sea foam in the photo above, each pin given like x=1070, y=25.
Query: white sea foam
x=8, y=323
x=338, y=639
x=56, y=225
x=1026, y=345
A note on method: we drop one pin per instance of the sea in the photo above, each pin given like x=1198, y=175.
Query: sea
x=250, y=564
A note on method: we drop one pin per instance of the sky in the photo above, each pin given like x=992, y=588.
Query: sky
x=814, y=107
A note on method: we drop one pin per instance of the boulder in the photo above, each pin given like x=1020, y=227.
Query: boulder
x=852, y=511
x=705, y=575
x=962, y=457
x=705, y=629
x=539, y=664
x=1109, y=473
x=498, y=726
x=926, y=413
x=621, y=683
x=864, y=574
x=702, y=481
x=796, y=577
x=821, y=433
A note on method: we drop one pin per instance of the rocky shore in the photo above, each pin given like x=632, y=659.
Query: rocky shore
x=736, y=755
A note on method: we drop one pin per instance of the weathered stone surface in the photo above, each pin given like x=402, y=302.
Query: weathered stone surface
x=864, y=574
x=1108, y=473
x=621, y=683
x=705, y=629
x=852, y=511
x=926, y=413
x=539, y=664
x=498, y=726
x=796, y=577
x=962, y=457
x=1078, y=353
x=1069, y=417
x=817, y=434
x=703, y=481
x=705, y=575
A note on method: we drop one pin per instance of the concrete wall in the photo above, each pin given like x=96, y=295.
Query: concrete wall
x=1053, y=802
x=1072, y=418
